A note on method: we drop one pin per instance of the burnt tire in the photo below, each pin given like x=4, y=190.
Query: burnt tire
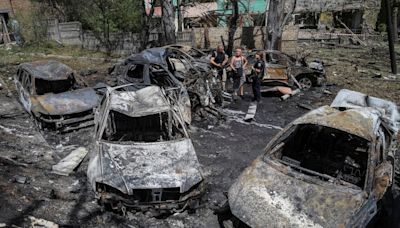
x=305, y=81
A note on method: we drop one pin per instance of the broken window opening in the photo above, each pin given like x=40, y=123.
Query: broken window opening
x=326, y=151
x=26, y=81
x=352, y=19
x=307, y=20
x=152, y=128
x=159, y=76
x=53, y=86
x=136, y=73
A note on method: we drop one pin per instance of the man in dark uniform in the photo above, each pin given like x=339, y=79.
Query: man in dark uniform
x=258, y=74
x=218, y=61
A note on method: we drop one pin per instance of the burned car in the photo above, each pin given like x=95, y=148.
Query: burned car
x=51, y=92
x=149, y=68
x=170, y=68
x=193, y=52
x=183, y=59
x=143, y=158
x=282, y=69
x=328, y=168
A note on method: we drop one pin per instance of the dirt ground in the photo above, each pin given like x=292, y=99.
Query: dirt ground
x=29, y=188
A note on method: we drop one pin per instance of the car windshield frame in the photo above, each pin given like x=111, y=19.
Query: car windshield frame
x=172, y=119
x=275, y=145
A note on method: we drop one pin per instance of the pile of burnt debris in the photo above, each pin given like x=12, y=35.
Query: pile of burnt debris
x=331, y=167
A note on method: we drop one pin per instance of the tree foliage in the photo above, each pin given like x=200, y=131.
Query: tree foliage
x=103, y=17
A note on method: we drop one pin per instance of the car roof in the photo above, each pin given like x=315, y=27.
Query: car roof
x=143, y=102
x=362, y=122
x=148, y=56
x=47, y=70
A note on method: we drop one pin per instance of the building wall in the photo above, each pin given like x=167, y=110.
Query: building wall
x=16, y=6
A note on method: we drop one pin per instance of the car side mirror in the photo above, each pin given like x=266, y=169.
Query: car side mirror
x=382, y=179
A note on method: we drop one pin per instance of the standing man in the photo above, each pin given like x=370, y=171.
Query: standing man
x=238, y=64
x=258, y=74
x=218, y=61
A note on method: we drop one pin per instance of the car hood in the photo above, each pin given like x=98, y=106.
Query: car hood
x=168, y=164
x=66, y=103
x=263, y=195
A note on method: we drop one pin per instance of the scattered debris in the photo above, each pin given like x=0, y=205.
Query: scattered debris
x=87, y=72
x=41, y=223
x=67, y=165
x=20, y=179
x=10, y=161
x=251, y=112
x=305, y=106
x=287, y=96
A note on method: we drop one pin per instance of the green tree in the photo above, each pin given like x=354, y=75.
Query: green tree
x=103, y=17
x=106, y=17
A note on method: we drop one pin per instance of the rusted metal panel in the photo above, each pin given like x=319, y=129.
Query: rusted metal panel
x=273, y=195
x=66, y=103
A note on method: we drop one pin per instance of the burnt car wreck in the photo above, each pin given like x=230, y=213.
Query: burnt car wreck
x=328, y=168
x=143, y=158
x=51, y=92
x=170, y=67
x=282, y=70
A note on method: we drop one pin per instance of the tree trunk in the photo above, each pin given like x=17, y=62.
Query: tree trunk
x=274, y=35
x=145, y=20
x=206, y=37
x=168, y=25
x=233, y=26
x=394, y=21
x=180, y=17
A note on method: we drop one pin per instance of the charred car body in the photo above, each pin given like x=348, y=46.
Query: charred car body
x=150, y=68
x=170, y=68
x=281, y=69
x=143, y=157
x=329, y=168
x=51, y=93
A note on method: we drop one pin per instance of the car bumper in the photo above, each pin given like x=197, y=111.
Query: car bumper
x=68, y=124
x=119, y=202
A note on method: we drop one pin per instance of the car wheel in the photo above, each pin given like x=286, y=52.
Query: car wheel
x=305, y=82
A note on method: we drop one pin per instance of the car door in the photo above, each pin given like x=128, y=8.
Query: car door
x=276, y=68
x=381, y=181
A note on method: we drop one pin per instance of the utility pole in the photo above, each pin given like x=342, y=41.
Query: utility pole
x=389, y=26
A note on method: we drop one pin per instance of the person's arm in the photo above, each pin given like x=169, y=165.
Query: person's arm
x=225, y=60
x=245, y=62
x=232, y=66
x=212, y=61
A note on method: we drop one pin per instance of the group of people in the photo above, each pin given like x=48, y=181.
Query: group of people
x=238, y=65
